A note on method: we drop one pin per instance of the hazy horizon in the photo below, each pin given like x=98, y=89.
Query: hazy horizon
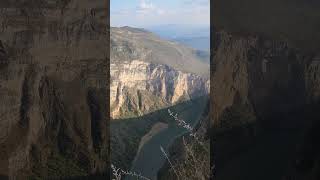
x=150, y=13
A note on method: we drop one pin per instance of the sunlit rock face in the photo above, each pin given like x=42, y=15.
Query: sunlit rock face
x=146, y=86
x=148, y=73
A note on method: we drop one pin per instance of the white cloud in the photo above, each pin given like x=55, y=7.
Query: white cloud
x=148, y=8
x=145, y=7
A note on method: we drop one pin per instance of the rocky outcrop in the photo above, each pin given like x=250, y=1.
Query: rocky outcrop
x=53, y=89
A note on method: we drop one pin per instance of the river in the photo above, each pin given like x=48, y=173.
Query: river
x=150, y=158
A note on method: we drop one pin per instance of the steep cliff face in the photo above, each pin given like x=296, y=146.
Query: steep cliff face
x=267, y=75
x=145, y=78
x=47, y=129
x=139, y=87
x=265, y=87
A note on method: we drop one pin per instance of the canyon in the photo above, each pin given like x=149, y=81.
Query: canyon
x=148, y=73
x=149, y=76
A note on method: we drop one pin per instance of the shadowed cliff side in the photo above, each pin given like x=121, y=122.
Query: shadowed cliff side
x=190, y=157
x=265, y=82
x=124, y=148
x=53, y=77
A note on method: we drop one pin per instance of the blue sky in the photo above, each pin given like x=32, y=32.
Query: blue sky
x=146, y=13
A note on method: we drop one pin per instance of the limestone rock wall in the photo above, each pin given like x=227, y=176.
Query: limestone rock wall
x=53, y=88
x=145, y=86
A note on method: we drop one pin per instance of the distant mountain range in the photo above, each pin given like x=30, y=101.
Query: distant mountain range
x=197, y=37
x=128, y=43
